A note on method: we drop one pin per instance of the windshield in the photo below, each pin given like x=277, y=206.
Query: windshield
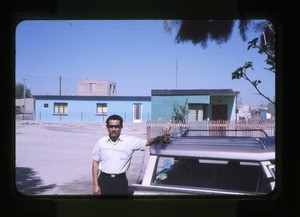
x=209, y=173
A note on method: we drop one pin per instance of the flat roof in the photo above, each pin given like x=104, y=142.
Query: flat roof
x=110, y=98
x=178, y=92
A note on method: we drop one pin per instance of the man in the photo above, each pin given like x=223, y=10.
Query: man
x=112, y=156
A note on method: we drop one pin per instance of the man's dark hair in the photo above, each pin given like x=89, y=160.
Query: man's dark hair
x=115, y=117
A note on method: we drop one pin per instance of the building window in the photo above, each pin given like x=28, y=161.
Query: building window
x=101, y=108
x=112, y=89
x=92, y=87
x=197, y=112
x=46, y=105
x=60, y=108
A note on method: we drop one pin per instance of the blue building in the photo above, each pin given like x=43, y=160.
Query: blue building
x=202, y=105
x=133, y=109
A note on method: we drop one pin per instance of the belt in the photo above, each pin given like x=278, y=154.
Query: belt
x=113, y=175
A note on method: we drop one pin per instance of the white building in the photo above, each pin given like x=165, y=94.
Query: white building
x=244, y=112
x=25, y=105
x=96, y=88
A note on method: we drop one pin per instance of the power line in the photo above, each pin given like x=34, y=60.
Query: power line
x=36, y=77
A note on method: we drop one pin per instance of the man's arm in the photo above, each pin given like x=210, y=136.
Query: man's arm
x=164, y=138
x=95, y=173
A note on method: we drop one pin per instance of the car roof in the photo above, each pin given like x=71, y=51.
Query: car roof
x=218, y=147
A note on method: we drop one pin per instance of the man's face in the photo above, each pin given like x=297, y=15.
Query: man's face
x=114, y=129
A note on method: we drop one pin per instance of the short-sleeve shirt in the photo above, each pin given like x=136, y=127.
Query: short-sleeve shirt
x=115, y=157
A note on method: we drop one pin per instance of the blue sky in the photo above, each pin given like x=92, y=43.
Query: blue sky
x=138, y=55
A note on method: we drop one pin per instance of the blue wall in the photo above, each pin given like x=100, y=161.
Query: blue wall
x=85, y=110
x=162, y=106
x=157, y=107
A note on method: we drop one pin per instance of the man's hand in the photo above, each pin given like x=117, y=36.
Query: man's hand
x=166, y=136
x=96, y=190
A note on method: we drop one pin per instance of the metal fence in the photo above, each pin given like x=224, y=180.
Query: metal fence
x=81, y=116
x=214, y=128
x=25, y=116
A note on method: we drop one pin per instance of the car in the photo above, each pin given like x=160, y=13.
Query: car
x=210, y=163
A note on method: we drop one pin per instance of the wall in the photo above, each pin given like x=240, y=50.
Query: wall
x=162, y=106
x=85, y=110
x=28, y=107
x=96, y=88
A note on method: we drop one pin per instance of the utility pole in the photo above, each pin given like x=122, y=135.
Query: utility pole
x=60, y=85
x=176, y=71
x=24, y=91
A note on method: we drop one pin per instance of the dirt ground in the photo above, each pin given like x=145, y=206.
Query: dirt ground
x=53, y=158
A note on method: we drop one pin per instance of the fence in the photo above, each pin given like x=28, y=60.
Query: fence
x=214, y=128
x=86, y=116
x=25, y=116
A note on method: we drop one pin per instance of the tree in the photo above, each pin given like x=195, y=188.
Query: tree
x=202, y=31
x=20, y=91
x=266, y=47
x=180, y=112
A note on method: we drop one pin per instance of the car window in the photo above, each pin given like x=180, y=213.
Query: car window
x=216, y=174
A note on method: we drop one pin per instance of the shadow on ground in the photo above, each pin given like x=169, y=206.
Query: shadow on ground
x=81, y=186
x=28, y=182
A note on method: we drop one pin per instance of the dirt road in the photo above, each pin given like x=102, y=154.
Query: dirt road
x=54, y=158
